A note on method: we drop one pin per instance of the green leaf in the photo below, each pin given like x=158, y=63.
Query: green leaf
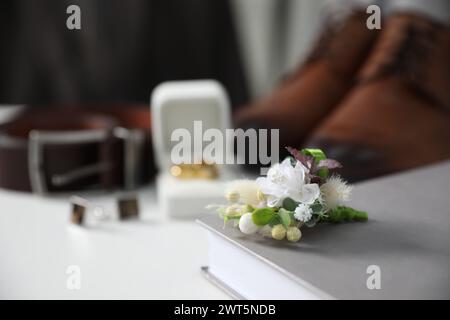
x=285, y=217
x=317, y=207
x=342, y=213
x=293, y=220
x=313, y=221
x=233, y=216
x=289, y=204
x=262, y=216
x=318, y=155
x=228, y=217
x=275, y=220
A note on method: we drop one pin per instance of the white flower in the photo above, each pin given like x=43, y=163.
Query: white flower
x=246, y=224
x=247, y=191
x=286, y=181
x=335, y=191
x=303, y=212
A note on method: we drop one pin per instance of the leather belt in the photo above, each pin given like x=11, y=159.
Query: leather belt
x=67, y=148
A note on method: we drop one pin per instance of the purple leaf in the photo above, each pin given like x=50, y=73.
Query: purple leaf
x=307, y=161
x=329, y=164
x=313, y=168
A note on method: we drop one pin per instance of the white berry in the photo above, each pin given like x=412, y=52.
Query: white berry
x=246, y=224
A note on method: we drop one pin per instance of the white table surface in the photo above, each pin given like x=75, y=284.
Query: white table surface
x=151, y=258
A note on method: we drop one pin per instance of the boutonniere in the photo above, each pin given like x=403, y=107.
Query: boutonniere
x=299, y=192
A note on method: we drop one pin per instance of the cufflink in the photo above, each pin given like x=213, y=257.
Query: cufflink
x=79, y=208
x=128, y=207
x=84, y=213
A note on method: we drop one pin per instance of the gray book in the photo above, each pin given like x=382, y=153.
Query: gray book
x=401, y=252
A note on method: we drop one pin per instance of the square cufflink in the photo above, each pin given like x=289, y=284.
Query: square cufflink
x=79, y=209
x=128, y=207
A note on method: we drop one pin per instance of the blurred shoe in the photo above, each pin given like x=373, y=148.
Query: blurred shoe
x=398, y=116
x=308, y=95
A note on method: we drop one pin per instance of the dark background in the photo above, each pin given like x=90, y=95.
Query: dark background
x=124, y=49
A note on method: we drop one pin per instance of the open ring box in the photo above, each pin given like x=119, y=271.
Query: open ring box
x=188, y=105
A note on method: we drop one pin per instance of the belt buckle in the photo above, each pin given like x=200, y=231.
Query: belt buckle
x=133, y=148
x=133, y=140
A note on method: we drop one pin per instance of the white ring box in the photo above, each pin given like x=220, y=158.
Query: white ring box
x=175, y=105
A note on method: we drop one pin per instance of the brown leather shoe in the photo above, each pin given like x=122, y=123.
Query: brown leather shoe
x=305, y=97
x=398, y=116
